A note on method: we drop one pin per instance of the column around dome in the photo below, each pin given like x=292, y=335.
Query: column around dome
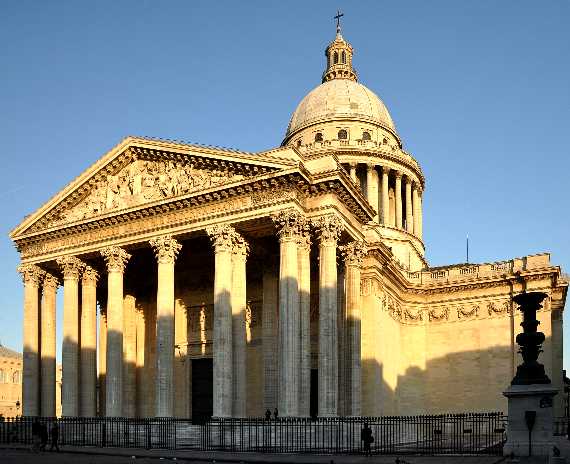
x=398, y=192
x=385, y=198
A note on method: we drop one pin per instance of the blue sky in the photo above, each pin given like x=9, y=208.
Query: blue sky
x=479, y=91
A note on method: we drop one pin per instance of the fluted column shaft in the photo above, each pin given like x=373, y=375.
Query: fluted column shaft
x=398, y=199
x=328, y=230
x=304, y=254
x=239, y=302
x=166, y=249
x=289, y=224
x=353, y=256
x=372, y=188
x=88, y=356
x=222, y=239
x=409, y=220
x=270, y=334
x=48, y=346
x=385, y=197
x=72, y=268
x=102, y=362
x=416, y=209
x=31, y=276
x=116, y=259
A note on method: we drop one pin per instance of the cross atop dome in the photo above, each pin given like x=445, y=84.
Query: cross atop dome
x=339, y=57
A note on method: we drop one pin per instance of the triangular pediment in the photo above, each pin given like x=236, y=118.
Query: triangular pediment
x=139, y=171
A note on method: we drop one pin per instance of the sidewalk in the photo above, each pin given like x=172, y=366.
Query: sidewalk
x=228, y=457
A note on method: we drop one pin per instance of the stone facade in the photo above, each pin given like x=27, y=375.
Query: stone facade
x=228, y=283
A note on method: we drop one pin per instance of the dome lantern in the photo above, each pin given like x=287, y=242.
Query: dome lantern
x=339, y=57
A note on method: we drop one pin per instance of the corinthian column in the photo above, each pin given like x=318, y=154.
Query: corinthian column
x=398, y=199
x=166, y=250
x=416, y=209
x=409, y=221
x=48, y=356
x=31, y=276
x=328, y=229
x=88, y=401
x=372, y=188
x=420, y=232
x=289, y=225
x=239, y=302
x=116, y=259
x=353, y=254
x=222, y=237
x=72, y=268
x=304, y=253
x=385, y=197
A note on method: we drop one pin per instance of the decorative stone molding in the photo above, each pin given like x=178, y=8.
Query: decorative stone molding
x=50, y=281
x=443, y=315
x=90, y=276
x=418, y=316
x=240, y=246
x=165, y=248
x=497, y=308
x=291, y=225
x=463, y=313
x=328, y=228
x=31, y=274
x=71, y=266
x=116, y=258
x=354, y=253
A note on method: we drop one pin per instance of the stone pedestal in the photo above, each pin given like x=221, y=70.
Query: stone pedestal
x=537, y=398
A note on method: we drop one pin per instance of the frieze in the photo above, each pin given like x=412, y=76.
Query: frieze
x=418, y=316
x=135, y=226
x=498, y=308
x=144, y=182
x=437, y=316
x=463, y=313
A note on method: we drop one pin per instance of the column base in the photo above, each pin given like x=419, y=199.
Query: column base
x=526, y=400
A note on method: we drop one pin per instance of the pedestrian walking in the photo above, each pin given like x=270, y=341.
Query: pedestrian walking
x=275, y=414
x=54, y=436
x=268, y=415
x=36, y=432
x=43, y=437
x=367, y=438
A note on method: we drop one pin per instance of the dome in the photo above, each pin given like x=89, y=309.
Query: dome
x=340, y=99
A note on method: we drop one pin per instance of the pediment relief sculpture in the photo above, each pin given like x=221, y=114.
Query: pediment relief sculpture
x=144, y=182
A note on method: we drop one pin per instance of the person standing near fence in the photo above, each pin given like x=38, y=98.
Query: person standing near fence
x=54, y=436
x=367, y=438
x=36, y=432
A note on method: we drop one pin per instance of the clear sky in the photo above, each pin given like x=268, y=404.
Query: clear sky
x=479, y=92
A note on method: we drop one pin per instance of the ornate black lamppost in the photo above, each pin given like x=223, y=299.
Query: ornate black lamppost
x=530, y=341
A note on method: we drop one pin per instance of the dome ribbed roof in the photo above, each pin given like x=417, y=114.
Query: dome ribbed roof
x=340, y=99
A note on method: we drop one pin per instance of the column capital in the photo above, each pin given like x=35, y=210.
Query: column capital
x=304, y=239
x=71, y=266
x=222, y=237
x=407, y=180
x=290, y=224
x=240, y=247
x=328, y=228
x=370, y=167
x=354, y=253
x=386, y=170
x=89, y=276
x=398, y=174
x=165, y=248
x=50, y=281
x=353, y=164
x=31, y=274
x=116, y=258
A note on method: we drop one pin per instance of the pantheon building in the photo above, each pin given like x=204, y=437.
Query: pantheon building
x=202, y=281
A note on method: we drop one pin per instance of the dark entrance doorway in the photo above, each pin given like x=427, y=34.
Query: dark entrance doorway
x=202, y=384
x=314, y=406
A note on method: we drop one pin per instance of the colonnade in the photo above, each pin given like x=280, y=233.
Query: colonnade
x=383, y=189
x=288, y=384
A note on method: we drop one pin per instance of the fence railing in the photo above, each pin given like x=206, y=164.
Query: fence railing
x=476, y=433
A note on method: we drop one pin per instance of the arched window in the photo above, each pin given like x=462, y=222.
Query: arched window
x=366, y=135
x=2, y=376
x=16, y=377
x=342, y=134
x=319, y=137
x=343, y=57
x=335, y=58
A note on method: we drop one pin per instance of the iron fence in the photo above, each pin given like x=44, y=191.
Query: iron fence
x=470, y=434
